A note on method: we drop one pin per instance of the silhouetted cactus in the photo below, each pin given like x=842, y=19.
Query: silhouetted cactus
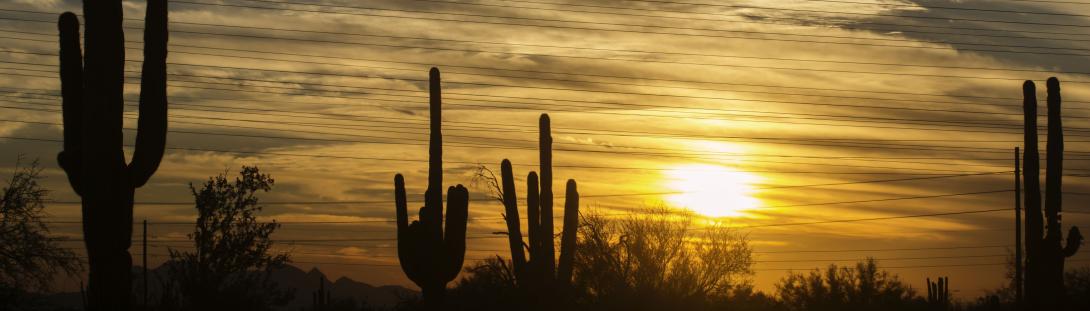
x=321, y=297
x=1044, y=288
x=93, y=158
x=540, y=274
x=430, y=257
x=938, y=293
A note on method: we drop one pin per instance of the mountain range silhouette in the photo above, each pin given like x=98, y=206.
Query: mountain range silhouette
x=304, y=282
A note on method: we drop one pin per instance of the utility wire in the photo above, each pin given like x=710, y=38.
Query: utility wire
x=596, y=29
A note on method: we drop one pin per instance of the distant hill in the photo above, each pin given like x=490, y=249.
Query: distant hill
x=304, y=283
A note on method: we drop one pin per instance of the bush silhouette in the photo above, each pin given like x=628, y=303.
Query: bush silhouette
x=655, y=259
x=862, y=287
x=231, y=264
x=29, y=257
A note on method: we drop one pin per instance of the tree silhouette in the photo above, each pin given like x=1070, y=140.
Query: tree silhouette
x=656, y=260
x=488, y=285
x=1044, y=288
x=92, y=87
x=430, y=257
x=29, y=257
x=230, y=266
x=1077, y=282
x=862, y=287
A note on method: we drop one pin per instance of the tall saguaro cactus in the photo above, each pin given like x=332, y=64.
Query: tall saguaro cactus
x=430, y=257
x=92, y=85
x=540, y=274
x=1044, y=289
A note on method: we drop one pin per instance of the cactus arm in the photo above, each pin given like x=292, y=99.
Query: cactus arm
x=406, y=234
x=511, y=210
x=152, y=125
x=1054, y=171
x=1074, y=240
x=533, y=219
x=454, y=240
x=433, y=196
x=930, y=291
x=1031, y=167
x=568, y=237
x=545, y=142
x=71, y=61
x=402, y=210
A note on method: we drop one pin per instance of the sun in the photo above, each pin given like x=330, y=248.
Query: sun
x=712, y=190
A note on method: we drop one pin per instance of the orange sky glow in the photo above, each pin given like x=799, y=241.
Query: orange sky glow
x=790, y=120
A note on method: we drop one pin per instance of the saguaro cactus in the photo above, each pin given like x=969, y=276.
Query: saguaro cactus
x=430, y=257
x=91, y=87
x=1044, y=288
x=938, y=293
x=540, y=273
x=320, y=299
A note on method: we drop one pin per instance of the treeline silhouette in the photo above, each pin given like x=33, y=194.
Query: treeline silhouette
x=653, y=260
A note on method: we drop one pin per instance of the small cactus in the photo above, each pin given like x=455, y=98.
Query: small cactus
x=92, y=84
x=430, y=257
x=1044, y=288
x=540, y=274
x=938, y=293
x=321, y=298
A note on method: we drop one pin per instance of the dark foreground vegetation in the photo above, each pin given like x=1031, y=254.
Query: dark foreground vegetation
x=649, y=259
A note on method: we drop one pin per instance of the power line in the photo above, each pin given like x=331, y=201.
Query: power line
x=941, y=123
x=566, y=80
x=741, y=227
x=423, y=160
x=874, y=218
x=671, y=151
x=678, y=154
x=975, y=9
x=883, y=249
x=930, y=7
x=765, y=19
x=313, y=40
x=478, y=145
x=605, y=195
x=800, y=251
x=640, y=134
x=883, y=259
x=855, y=13
x=601, y=132
x=498, y=126
x=583, y=196
x=567, y=73
x=893, y=199
x=595, y=29
x=371, y=76
x=899, y=267
x=691, y=18
x=654, y=106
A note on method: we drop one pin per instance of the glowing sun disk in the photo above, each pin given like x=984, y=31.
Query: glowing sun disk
x=712, y=190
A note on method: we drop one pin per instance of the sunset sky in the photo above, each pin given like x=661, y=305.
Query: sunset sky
x=797, y=121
